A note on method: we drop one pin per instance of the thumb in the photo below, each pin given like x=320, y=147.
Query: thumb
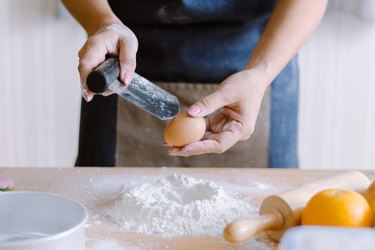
x=207, y=105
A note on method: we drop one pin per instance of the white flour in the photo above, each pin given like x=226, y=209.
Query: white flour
x=178, y=205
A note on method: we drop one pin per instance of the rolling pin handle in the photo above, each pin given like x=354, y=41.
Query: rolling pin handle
x=242, y=230
x=104, y=75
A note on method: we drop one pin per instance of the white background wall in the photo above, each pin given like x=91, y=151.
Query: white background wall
x=39, y=90
x=337, y=112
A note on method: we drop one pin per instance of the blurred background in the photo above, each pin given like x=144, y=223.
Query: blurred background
x=40, y=93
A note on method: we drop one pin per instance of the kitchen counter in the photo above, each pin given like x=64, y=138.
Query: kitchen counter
x=97, y=188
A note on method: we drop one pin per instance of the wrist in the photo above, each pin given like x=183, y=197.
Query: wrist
x=120, y=29
x=259, y=72
x=104, y=23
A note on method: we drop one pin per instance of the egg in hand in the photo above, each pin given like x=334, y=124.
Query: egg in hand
x=184, y=129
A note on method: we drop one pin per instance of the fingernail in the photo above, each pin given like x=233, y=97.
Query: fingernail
x=172, y=152
x=194, y=110
x=128, y=78
x=89, y=98
x=86, y=95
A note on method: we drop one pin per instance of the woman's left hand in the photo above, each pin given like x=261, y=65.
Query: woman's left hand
x=230, y=113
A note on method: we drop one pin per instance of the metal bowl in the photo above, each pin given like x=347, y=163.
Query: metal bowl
x=41, y=221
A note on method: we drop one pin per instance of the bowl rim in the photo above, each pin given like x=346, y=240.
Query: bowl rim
x=53, y=237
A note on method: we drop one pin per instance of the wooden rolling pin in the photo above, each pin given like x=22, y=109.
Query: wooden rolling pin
x=282, y=211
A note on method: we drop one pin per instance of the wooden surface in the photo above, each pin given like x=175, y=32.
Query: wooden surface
x=98, y=187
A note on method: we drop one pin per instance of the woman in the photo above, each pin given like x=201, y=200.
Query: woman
x=218, y=57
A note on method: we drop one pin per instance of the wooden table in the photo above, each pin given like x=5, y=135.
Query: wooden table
x=98, y=187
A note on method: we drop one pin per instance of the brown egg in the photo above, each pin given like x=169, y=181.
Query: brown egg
x=184, y=129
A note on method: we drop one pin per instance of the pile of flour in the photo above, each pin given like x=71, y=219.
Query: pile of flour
x=178, y=205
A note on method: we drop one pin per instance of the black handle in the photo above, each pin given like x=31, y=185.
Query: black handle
x=104, y=75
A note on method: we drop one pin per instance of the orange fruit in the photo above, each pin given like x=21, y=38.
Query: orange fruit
x=337, y=207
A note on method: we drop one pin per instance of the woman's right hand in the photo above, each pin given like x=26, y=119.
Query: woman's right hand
x=114, y=39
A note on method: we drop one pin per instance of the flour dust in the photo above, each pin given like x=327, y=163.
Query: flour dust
x=178, y=205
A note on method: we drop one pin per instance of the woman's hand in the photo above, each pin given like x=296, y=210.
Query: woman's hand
x=114, y=39
x=230, y=112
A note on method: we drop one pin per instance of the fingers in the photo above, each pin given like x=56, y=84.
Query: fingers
x=127, y=56
x=91, y=55
x=231, y=111
x=224, y=131
x=127, y=46
x=204, y=147
x=114, y=39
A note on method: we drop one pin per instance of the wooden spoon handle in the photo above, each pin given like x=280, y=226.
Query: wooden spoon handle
x=242, y=230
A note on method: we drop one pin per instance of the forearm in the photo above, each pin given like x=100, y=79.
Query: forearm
x=291, y=24
x=91, y=14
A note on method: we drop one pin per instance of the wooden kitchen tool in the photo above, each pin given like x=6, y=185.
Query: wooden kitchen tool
x=282, y=211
